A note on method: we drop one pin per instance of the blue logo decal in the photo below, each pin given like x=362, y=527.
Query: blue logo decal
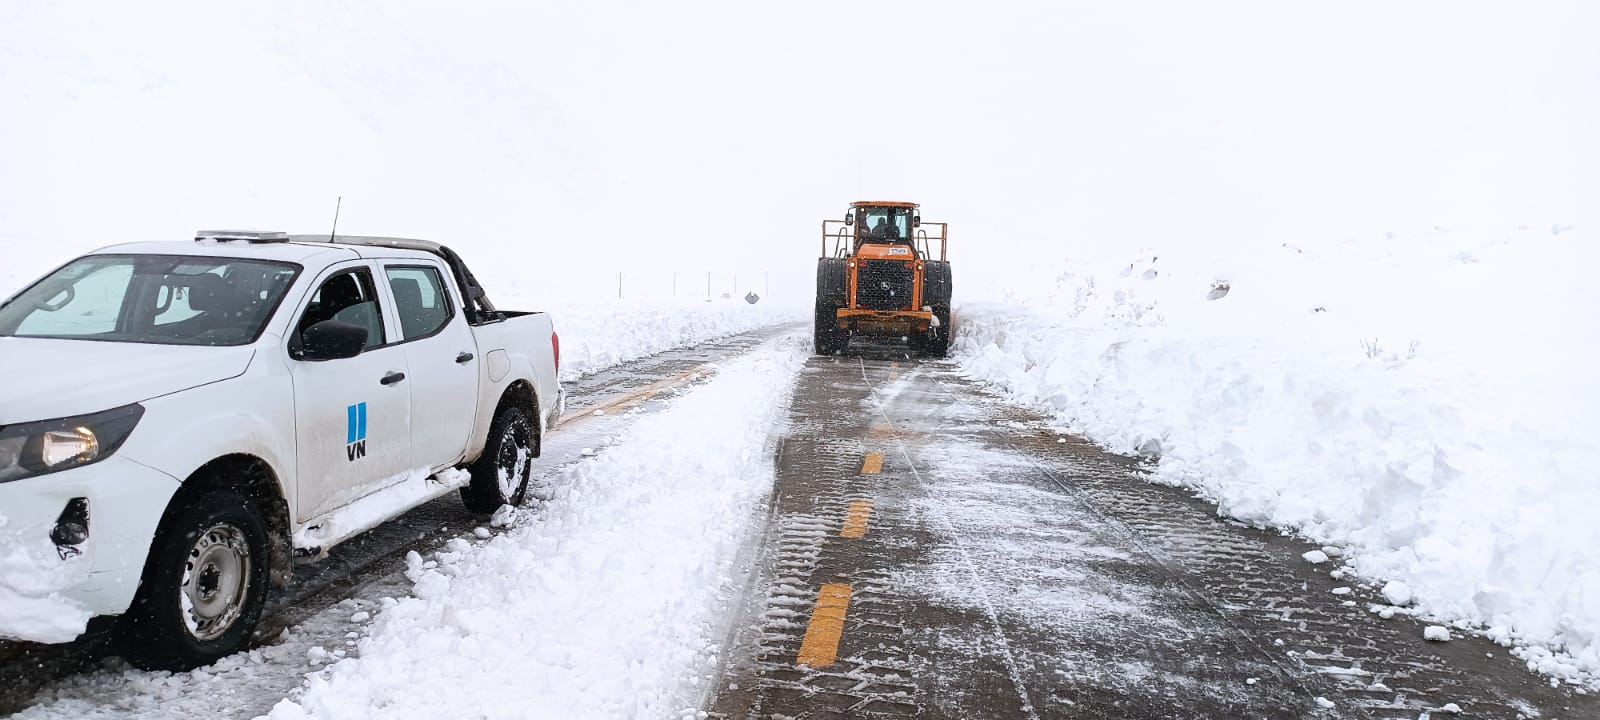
x=356, y=431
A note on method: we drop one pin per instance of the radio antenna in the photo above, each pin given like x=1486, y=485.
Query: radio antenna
x=334, y=233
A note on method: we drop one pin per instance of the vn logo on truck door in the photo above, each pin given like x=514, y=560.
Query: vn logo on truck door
x=356, y=432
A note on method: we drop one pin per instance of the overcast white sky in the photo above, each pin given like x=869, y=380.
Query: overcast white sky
x=592, y=137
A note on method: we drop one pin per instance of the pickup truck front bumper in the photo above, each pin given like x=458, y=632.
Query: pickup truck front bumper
x=76, y=541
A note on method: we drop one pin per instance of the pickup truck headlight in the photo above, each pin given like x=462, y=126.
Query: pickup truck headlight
x=40, y=448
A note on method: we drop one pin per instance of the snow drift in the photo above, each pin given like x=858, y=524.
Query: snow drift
x=32, y=577
x=1424, y=401
x=611, y=603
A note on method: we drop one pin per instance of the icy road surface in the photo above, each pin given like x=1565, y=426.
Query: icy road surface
x=935, y=553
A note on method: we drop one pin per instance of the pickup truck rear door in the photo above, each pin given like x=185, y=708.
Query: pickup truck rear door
x=442, y=356
x=352, y=416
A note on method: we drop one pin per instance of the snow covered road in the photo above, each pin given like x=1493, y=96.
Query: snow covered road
x=937, y=553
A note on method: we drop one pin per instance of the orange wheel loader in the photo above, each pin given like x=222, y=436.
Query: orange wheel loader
x=878, y=277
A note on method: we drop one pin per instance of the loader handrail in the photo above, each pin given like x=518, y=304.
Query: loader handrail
x=923, y=239
x=843, y=237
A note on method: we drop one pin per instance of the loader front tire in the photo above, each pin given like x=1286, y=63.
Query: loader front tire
x=833, y=293
x=936, y=344
x=827, y=338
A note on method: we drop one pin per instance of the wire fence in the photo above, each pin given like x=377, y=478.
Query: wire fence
x=687, y=284
x=645, y=285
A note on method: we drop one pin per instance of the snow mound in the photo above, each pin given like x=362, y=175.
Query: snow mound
x=32, y=575
x=1424, y=402
x=610, y=604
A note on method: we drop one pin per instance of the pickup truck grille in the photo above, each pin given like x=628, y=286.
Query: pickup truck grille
x=884, y=285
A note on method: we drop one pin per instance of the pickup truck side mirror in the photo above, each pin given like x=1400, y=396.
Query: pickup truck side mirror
x=332, y=340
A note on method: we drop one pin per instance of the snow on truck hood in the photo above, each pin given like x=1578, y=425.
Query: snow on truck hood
x=45, y=379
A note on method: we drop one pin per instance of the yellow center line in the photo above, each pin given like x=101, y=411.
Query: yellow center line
x=873, y=464
x=855, y=520
x=642, y=394
x=821, y=645
x=880, y=431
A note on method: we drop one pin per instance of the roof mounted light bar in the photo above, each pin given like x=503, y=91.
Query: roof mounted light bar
x=250, y=236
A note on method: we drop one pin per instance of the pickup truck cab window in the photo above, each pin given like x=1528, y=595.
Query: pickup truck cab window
x=348, y=297
x=156, y=299
x=419, y=299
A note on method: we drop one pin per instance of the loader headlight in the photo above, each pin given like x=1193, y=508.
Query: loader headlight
x=40, y=448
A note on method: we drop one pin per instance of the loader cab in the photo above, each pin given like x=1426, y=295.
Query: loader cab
x=885, y=223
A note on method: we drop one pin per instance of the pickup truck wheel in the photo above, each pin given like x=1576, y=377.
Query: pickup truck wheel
x=500, y=476
x=204, y=585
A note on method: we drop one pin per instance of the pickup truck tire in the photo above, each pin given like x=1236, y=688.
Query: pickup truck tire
x=500, y=476
x=204, y=584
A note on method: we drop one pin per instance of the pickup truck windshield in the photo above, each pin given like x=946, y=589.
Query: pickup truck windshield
x=159, y=299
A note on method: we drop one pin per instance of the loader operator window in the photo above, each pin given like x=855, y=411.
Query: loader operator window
x=882, y=224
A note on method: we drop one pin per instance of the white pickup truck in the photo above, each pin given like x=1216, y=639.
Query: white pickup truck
x=180, y=421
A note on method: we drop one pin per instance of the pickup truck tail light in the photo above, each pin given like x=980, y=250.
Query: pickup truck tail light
x=555, y=345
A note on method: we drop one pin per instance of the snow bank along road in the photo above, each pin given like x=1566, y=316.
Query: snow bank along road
x=331, y=603
x=934, y=553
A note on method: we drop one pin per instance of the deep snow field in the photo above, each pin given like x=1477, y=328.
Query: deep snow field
x=1424, y=401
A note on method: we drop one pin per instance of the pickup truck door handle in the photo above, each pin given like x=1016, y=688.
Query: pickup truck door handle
x=392, y=378
x=464, y=358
